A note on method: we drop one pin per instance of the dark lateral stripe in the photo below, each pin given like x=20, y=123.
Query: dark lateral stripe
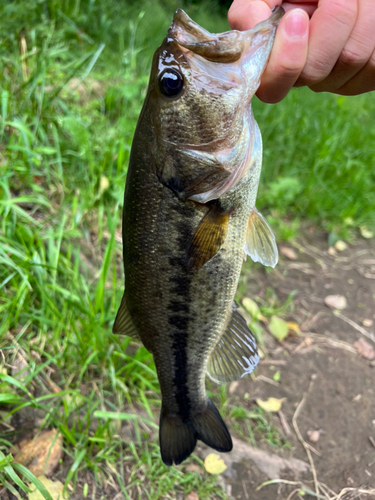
x=179, y=320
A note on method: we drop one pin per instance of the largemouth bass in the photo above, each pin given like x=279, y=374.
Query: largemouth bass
x=189, y=218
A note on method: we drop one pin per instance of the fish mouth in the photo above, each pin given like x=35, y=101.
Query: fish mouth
x=224, y=47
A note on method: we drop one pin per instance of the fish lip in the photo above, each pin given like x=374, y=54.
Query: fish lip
x=226, y=47
x=277, y=13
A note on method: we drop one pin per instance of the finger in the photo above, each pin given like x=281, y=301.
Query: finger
x=330, y=28
x=356, y=52
x=363, y=82
x=288, y=57
x=244, y=14
x=307, y=6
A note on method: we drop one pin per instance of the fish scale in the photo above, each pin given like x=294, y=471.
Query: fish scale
x=189, y=217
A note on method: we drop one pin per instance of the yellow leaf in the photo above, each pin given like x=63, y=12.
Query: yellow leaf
x=253, y=309
x=366, y=233
x=214, y=464
x=54, y=488
x=278, y=327
x=272, y=404
x=294, y=327
x=104, y=183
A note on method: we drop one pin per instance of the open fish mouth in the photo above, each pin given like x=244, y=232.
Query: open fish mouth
x=223, y=47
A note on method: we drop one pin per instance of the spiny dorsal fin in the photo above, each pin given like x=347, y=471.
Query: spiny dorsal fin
x=236, y=353
x=209, y=236
x=260, y=241
x=123, y=324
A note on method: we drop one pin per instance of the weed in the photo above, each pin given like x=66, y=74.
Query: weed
x=73, y=78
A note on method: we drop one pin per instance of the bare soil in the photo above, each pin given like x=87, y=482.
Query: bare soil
x=323, y=365
x=320, y=367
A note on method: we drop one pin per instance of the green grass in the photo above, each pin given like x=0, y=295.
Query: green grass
x=64, y=150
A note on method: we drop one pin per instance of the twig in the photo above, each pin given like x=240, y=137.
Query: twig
x=302, y=441
x=372, y=441
x=333, y=342
x=348, y=490
x=284, y=423
x=350, y=322
x=293, y=493
x=265, y=379
x=245, y=489
x=275, y=362
x=300, y=485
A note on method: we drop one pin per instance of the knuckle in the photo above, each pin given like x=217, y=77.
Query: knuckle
x=350, y=57
x=343, y=12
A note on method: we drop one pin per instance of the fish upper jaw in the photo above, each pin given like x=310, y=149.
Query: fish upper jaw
x=245, y=52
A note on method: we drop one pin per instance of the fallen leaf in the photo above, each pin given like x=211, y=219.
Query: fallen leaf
x=313, y=435
x=192, y=496
x=294, y=327
x=54, y=488
x=271, y=404
x=365, y=232
x=288, y=252
x=19, y=367
x=233, y=387
x=41, y=455
x=251, y=307
x=276, y=376
x=278, y=327
x=193, y=468
x=214, y=464
x=365, y=349
x=367, y=323
x=332, y=251
x=341, y=246
x=335, y=302
x=104, y=183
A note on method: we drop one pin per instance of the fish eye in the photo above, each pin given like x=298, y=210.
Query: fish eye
x=171, y=83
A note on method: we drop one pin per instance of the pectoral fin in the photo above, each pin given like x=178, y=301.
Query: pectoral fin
x=236, y=353
x=260, y=241
x=123, y=324
x=209, y=236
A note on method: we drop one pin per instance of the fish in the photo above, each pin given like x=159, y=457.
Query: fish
x=189, y=219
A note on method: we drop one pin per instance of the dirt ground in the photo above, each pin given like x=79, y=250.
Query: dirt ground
x=322, y=366
x=322, y=376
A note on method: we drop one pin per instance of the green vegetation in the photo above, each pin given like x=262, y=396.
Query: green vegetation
x=72, y=80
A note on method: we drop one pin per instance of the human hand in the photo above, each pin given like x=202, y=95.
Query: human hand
x=334, y=51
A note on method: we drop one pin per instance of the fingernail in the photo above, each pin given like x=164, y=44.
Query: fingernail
x=296, y=23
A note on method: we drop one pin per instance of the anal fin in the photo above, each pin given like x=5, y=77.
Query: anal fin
x=209, y=236
x=235, y=355
x=260, y=241
x=123, y=324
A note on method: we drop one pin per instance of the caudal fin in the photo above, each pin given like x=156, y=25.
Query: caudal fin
x=178, y=438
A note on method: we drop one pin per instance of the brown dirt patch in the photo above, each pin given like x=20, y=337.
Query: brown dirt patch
x=341, y=400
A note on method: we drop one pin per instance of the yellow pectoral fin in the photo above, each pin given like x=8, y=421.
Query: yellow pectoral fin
x=209, y=237
x=260, y=241
x=123, y=324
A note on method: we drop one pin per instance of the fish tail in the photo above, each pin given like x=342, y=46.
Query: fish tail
x=178, y=438
x=211, y=429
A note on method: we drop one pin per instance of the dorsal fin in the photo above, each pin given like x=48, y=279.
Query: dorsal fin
x=123, y=324
x=260, y=241
x=235, y=355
